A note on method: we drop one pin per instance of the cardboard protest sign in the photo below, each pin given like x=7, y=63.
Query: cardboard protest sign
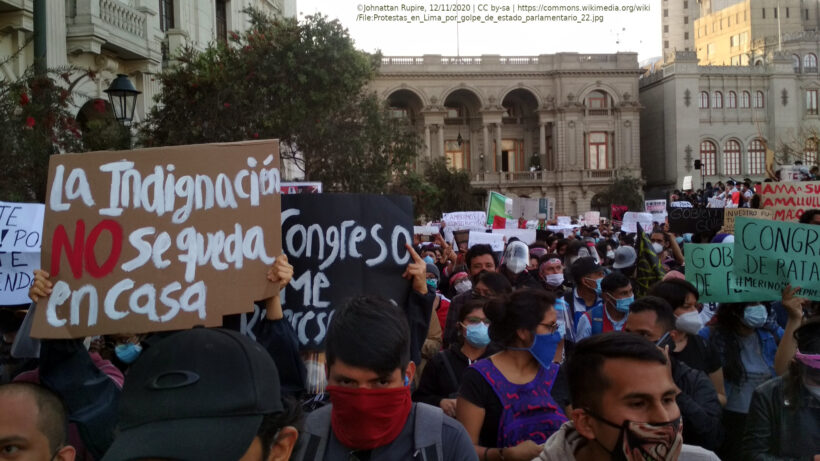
x=461, y=237
x=461, y=220
x=525, y=235
x=695, y=220
x=496, y=241
x=21, y=227
x=771, y=254
x=632, y=218
x=788, y=200
x=730, y=214
x=342, y=246
x=709, y=267
x=300, y=188
x=158, y=239
x=657, y=208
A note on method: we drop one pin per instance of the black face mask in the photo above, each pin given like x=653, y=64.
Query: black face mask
x=640, y=441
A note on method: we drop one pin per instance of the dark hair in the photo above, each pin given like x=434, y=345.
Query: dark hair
x=601, y=247
x=614, y=281
x=808, y=215
x=562, y=242
x=498, y=283
x=808, y=342
x=291, y=415
x=480, y=250
x=674, y=291
x=369, y=332
x=522, y=309
x=465, y=310
x=659, y=306
x=584, y=366
x=52, y=416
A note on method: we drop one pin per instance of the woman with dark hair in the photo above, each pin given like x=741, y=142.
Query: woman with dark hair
x=784, y=416
x=747, y=351
x=489, y=284
x=504, y=401
x=442, y=377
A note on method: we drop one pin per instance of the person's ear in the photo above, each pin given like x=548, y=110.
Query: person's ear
x=583, y=423
x=284, y=444
x=67, y=453
x=410, y=372
x=524, y=336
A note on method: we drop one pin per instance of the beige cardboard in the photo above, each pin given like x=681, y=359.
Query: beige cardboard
x=228, y=289
x=788, y=200
x=729, y=215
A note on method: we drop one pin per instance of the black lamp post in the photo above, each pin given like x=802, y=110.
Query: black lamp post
x=123, y=98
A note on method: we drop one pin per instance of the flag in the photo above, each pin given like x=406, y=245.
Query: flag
x=500, y=206
x=649, y=270
x=618, y=211
x=499, y=222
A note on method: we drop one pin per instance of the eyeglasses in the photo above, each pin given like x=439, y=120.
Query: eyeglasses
x=476, y=321
x=551, y=327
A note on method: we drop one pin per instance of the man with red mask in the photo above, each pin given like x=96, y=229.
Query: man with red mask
x=371, y=416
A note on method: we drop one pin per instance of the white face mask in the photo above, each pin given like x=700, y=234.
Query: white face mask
x=657, y=248
x=689, y=322
x=463, y=286
x=554, y=280
x=610, y=254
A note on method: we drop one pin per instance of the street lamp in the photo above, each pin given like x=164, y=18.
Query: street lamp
x=123, y=98
x=459, y=139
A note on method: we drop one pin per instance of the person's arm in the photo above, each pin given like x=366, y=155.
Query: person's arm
x=699, y=405
x=788, y=345
x=716, y=377
x=759, y=438
x=673, y=244
x=280, y=272
x=432, y=344
x=419, y=304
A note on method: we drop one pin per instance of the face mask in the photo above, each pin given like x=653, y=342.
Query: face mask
x=597, y=286
x=755, y=316
x=622, y=305
x=554, y=280
x=610, y=254
x=463, y=286
x=679, y=240
x=128, y=353
x=429, y=259
x=477, y=335
x=432, y=283
x=689, y=323
x=657, y=248
x=644, y=441
x=363, y=419
x=543, y=348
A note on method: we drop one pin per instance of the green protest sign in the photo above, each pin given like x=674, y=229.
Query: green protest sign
x=771, y=254
x=709, y=267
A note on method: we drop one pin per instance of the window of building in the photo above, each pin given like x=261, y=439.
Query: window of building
x=810, y=153
x=717, y=100
x=731, y=158
x=597, y=103
x=759, y=102
x=744, y=38
x=811, y=102
x=686, y=35
x=796, y=63
x=222, y=20
x=166, y=15
x=735, y=60
x=810, y=63
x=757, y=157
x=597, y=150
x=764, y=14
x=665, y=14
x=745, y=99
x=710, y=50
x=708, y=153
x=704, y=100
x=787, y=11
x=775, y=12
x=456, y=155
x=807, y=13
x=398, y=113
x=685, y=4
x=454, y=112
x=666, y=44
x=666, y=29
x=686, y=19
x=731, y=100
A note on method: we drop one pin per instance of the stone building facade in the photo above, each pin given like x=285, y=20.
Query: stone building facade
x=562, y=126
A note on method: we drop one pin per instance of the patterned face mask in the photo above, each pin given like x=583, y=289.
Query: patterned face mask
x=640, y=441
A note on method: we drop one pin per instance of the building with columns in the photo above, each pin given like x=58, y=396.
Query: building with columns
x=725, y=116
x=562, y=126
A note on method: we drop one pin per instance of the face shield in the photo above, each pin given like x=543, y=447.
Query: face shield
x=516, y=257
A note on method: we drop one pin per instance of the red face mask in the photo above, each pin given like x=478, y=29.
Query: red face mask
x=363, y=419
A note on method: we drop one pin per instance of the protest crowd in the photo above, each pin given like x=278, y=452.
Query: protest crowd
x=598, y=340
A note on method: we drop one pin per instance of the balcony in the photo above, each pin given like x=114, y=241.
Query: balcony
x=92, y=25
x=542, y=178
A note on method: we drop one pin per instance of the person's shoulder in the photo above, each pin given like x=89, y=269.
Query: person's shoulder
x=772, y=386
x=696, y=453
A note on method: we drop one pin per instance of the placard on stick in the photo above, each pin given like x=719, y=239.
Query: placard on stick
x=158, y=239
x=21, y=226
x=709, y=267
x=342, y=246
x=695, y=220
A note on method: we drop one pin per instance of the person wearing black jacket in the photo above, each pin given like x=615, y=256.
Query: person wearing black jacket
x=652, y=318
x=784, y=416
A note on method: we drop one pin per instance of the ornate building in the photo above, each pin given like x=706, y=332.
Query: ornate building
x=562, y=126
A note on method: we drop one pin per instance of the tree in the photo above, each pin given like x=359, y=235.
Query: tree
x=35, y=122
x=625, y=190
x=301, y=82
x=440, y=190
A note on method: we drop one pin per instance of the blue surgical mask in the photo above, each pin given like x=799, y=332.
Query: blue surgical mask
x=755, y=316
x=128, y=353
x=679, y=240
x=477, y=335
x=543, y=348
x=432, y=283
x=597, y=286
x=622, y=305
x=429, y=259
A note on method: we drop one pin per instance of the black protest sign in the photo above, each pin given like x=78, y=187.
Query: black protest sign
x=342, y=246
x=695, y=220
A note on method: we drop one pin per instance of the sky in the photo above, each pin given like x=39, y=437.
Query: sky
x=510, y=35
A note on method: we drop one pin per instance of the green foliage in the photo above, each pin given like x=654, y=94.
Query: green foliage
x=301, y=82
x=625, y=190
x=106, y=133
x=440, y=190
x=35, y=122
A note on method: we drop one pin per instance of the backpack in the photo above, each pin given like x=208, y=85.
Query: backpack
x=596, y=319
x=427, y=444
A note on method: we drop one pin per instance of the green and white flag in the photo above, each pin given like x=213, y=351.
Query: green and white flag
x=500, y=206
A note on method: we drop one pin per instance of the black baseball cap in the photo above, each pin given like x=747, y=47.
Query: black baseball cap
x=584, y=266
x=194, y=395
